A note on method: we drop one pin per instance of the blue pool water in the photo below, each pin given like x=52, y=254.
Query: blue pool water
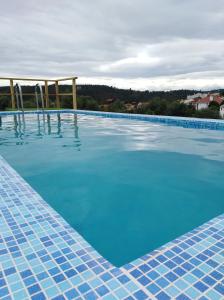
x=126, y=186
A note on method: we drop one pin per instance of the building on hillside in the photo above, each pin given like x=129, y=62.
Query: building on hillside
x=201, y=103
x=204, y=102
x=221, y=111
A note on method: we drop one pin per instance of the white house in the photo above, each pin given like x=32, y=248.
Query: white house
x=221, y=111
x=202, y=103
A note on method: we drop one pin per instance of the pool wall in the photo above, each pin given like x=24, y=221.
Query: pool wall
x=43, y=257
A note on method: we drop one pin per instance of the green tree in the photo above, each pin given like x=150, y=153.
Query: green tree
x=117, y=106
x=4, y=102
x=180, y=109
x=207, y=114
x=86, y=102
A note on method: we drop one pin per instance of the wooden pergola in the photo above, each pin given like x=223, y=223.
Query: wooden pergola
x=46, y=92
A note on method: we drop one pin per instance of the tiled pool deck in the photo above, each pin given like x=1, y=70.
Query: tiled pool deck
x=42, y=257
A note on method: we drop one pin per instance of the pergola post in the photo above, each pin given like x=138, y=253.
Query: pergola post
x=74, y=96
x=12, y=94
x=57, y=94
x=46, y=94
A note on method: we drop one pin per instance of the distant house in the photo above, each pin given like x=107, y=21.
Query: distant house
x=204, y=102
x=221, y=111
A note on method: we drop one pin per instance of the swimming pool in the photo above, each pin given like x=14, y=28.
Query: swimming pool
x=127, y=186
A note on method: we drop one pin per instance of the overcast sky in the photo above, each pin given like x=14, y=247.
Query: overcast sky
x=139, y=44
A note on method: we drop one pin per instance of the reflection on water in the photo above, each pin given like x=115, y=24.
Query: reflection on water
x=63, y=130
x=27, y=130
x=19, y=126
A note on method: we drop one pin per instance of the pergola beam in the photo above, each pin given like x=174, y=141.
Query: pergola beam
x=37, y=79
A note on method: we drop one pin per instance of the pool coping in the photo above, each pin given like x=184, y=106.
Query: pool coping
x=188, y=267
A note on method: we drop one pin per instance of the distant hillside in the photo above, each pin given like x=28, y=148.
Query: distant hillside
x=100, y=93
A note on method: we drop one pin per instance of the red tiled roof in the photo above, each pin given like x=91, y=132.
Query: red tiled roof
x=204, y=100
x=218, y=99
x=207, y=100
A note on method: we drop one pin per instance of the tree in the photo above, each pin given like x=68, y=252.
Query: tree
x=207, y=114
x=214, y=105
x=86, y=102
x=4, y=103
x=117, y=106
x=180, y=109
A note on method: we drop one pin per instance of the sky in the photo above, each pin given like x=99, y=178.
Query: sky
x=138, y=44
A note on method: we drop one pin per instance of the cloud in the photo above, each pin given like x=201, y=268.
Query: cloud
x=147, y=44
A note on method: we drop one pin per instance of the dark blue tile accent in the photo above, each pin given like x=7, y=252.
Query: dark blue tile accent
x=102, y=290
x=163, y=296
x=220, y=288
x=34, y=289
x=4, y=291
x=70, y=273
x=170, y=264
x=83, y=288
x=216, y=275
x=106, y=276
x=90, y=296
x=153, y=288
x=183, y=297
x=123, y=279
x=140, y=295
x=162, y=282
x=209, y=280
x=198, y=273
x=179, y=271
x=2, y=282
x=42, y=276
x=60, y=297
x=81, y=268
x=153, y=263
x=54, y=271
x=144, y=280
x=59, y=278
x=136, y=273
x=171, y=276
x=144, y=268
x=39, y=296
x=10, y=271
x=201, y=286
x=25, y=273
x=72, y=294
